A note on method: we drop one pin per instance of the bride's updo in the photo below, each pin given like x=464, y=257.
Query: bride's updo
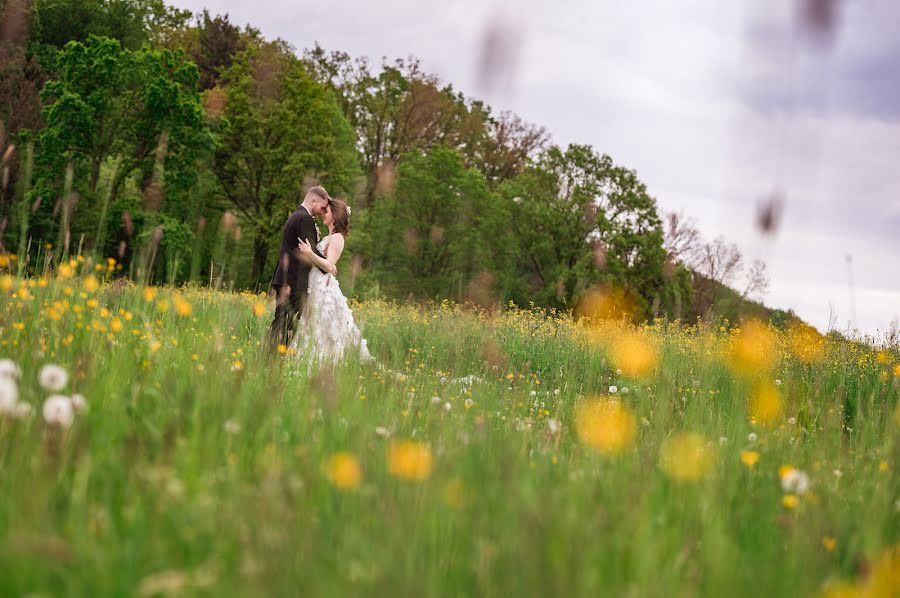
x=340, y=217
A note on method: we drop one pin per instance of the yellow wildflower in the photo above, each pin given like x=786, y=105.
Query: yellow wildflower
x=344, y=471
x=607, y=426
x=409, y=460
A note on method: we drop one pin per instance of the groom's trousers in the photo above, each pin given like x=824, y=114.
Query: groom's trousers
x=288, y=307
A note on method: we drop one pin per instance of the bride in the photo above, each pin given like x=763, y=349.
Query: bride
x=327, y=322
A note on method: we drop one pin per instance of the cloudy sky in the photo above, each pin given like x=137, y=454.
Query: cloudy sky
x=716, y=105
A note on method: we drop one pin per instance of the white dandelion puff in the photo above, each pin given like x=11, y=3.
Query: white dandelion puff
x=435, y=400
x=777, y=382
x=469, y=403
x=792, y=420
x=795, y=482
x=232, y=427
x=79, y=403
x=58, y=411
x=383, y=432
x=447, y=407
x=53, y=377
x=9, y=395
x=553, y=426
x=751, y=436
x=9, y=369
x=613, y=390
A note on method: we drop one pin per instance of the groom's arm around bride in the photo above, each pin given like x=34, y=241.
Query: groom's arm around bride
x=290, y=281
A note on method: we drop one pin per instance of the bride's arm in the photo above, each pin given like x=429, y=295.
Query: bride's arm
x=324, y=264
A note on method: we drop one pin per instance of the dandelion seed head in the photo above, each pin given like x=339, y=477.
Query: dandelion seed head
x=53, y=377
x=9, y=369
x=58, y=411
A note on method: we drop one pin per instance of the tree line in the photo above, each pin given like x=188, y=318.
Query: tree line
x=177, y=144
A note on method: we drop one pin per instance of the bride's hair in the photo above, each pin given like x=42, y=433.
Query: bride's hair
x=340, y=214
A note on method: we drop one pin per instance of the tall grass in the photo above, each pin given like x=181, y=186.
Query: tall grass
x=205, y=466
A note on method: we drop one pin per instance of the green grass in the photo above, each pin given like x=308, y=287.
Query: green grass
x=149, y=492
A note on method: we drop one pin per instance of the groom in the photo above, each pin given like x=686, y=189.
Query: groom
x=291, y=279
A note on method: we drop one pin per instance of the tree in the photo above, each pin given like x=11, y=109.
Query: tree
x=681, y=237
x=138, y=112
x=580, y=220
x=280, y=129
x=57, y=22
x=398, y=109
x=756, y=280
x=218, y=43
x=440, y=233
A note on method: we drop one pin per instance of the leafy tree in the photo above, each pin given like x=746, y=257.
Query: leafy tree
x=437, y=232
x=396, y=110
x=57, y=22
x=280, y=129
x=581, y=220
x=136, y=112
x=218, y=43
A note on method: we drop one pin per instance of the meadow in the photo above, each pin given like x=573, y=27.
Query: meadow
x=515, y=452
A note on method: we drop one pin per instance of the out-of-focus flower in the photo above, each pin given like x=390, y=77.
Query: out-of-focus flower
x=9, y=369
x=344, y=471
x=606, y=425
x=686, y=457
x=91, y=283
x=383, y=432
x=9, y=395
x=749, y=458
x=553, y=426
x=182, y=307
x=58, y=411
x=829, y=543
x=753, y=351
x=765, y=403
x=232, y=427
x=79, y=403
x=751, y=436
x=790, y=501
x=613, y=390
x=410, y=460
x=793, y=480
x=635, y=354
x=53, y=377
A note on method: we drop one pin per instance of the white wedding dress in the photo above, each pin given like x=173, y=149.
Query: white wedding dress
x=327, y=329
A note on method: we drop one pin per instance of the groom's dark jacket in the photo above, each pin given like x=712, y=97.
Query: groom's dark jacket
x=290, y=270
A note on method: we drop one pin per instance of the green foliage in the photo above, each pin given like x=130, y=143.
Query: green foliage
x=280, y=130
x=137, y=112
x=439, y=229
x=579, y=220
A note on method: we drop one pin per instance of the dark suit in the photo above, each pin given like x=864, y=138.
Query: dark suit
x=291, y=279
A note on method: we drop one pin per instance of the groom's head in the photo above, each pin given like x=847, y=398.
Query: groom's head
x=316, y=200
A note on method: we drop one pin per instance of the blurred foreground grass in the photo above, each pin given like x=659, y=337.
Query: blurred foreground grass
x=519, y=453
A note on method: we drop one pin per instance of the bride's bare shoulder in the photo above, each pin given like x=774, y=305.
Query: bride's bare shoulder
x=337, y=239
